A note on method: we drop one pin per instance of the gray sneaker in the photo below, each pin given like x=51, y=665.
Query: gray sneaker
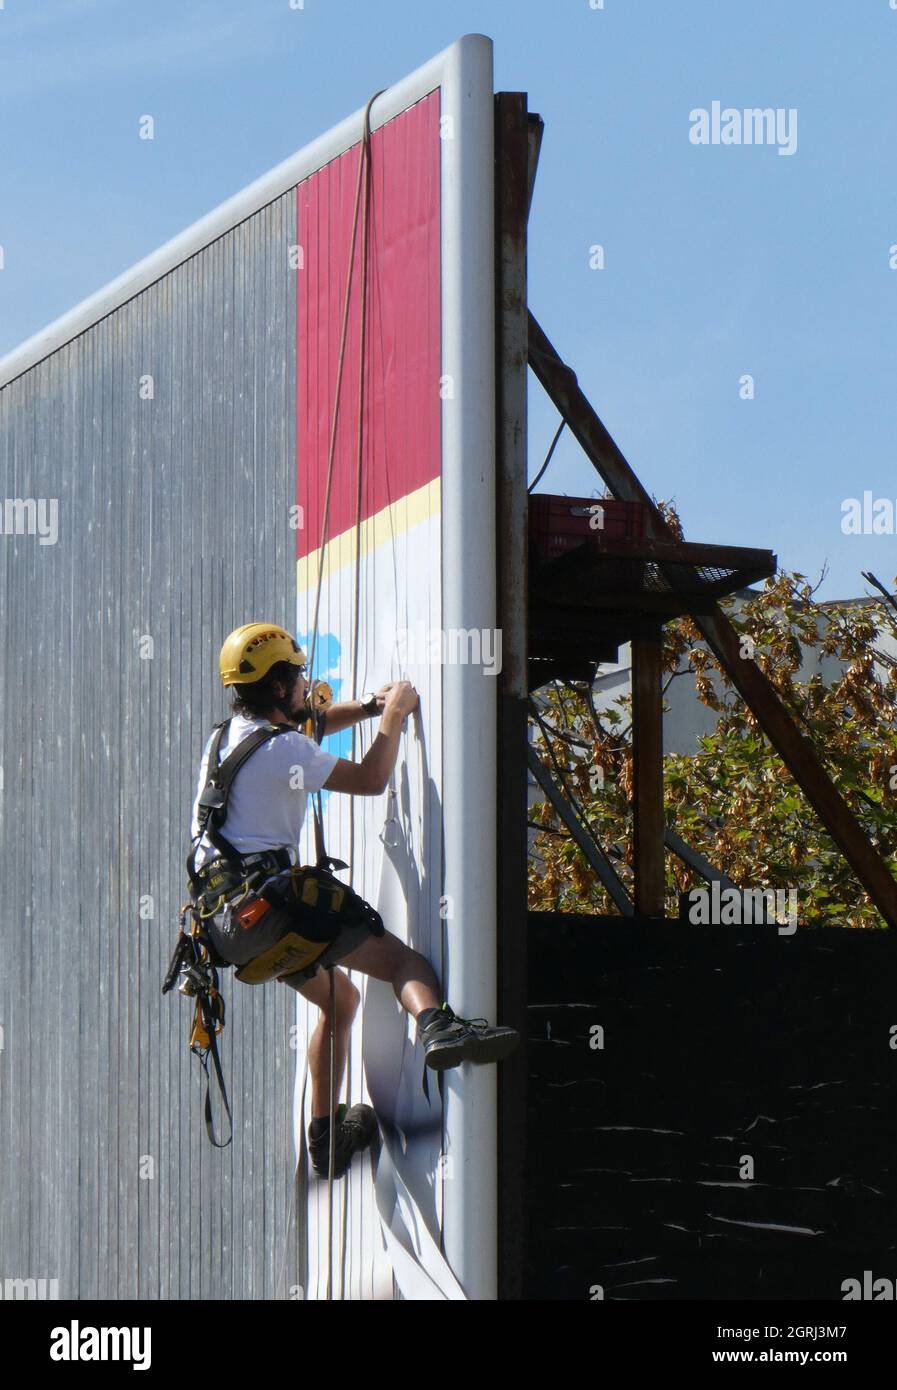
x=449, y=1040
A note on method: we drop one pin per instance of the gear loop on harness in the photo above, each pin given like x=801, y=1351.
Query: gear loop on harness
x=192, y=964
x=224, y=900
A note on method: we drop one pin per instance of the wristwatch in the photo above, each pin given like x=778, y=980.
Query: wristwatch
x=369, y=702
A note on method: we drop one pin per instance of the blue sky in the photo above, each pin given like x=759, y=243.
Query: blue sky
x=719, y=261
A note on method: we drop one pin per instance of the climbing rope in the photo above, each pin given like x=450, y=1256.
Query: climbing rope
x=361, y=212
x=363, y=167
x=538, y=477
x=330, y=1162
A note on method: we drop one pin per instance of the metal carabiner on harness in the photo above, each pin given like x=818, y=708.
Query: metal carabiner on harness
x=191, y=966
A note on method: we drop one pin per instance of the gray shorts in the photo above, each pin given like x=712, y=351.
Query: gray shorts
x=238, y=947
x=349, y=939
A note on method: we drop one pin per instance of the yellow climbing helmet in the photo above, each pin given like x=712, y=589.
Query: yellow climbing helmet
x=251, y=650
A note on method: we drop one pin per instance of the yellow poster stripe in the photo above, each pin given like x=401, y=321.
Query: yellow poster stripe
x=377, y=530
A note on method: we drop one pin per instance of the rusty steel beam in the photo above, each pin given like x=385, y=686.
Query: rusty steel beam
x=513, y=174
x=560, y=383
x=593, y=852
x=795, y=750
x=535, y=131
x=740, y=559
x=649, y=864
x=678, y=561
x=695, y=860
x=590, y=598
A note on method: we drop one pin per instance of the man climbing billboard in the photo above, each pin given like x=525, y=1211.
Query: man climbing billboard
x=255, y=907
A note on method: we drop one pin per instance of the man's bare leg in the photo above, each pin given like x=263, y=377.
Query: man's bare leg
x=410, y=974
x=317, y=991
x=416, y=987
x=448, y=1040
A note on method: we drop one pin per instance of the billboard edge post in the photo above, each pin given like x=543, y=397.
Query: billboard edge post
x=513, y=159
x=469, y=699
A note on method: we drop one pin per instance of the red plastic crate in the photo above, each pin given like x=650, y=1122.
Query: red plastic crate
x=558, y=524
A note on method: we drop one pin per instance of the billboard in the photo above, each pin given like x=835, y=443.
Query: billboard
x=173, y=428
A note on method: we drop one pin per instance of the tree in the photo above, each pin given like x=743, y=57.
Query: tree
x=734, y=800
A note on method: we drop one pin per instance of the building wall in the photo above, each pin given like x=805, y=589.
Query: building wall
x=173, y=527
x=711, y=1111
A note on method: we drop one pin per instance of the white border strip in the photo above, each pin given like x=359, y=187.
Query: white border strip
x=457, y=58
x=469, y=697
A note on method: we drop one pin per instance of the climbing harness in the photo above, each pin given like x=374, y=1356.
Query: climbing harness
x=300, y=913
x=192, y=964
x=195, y=962
x=212, y=806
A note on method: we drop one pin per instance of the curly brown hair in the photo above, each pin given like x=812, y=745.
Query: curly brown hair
x=257, y=699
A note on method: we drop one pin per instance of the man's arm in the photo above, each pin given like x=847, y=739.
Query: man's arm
x=342, y=716
x=349, y=712
x=370, y=777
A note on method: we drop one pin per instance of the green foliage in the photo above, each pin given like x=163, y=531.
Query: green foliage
x=733, y=800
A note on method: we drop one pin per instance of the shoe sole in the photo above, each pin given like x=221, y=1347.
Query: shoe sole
x=478, y=1050
x=339, y=1172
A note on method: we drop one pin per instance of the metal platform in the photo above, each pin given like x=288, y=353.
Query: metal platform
x=605, y=592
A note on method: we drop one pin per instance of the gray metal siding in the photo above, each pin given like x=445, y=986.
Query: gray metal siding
x=173, y=524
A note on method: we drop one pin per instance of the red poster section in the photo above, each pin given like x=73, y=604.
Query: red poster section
x=401, y=448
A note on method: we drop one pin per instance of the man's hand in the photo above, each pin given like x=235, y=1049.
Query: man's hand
x=400, y=696
x=370, y=777
x=342, y=716
x=381, y=695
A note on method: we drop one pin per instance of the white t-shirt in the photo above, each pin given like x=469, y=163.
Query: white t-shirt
x=268, y=796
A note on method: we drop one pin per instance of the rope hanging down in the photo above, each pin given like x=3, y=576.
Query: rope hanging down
x=363, y=169
x=361, y=212
x=356, y=616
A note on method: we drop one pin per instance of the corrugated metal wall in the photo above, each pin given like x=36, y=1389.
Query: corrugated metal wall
x=173, y=528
